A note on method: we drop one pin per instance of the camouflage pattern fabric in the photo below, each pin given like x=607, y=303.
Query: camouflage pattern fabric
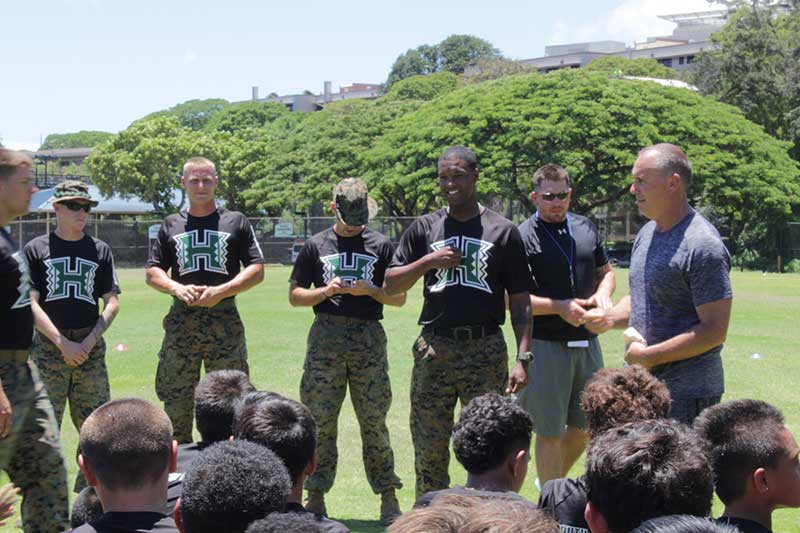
x=86, y=386
x=446, y=371
x=346, y=351
x=31, y=454
x=194, y=336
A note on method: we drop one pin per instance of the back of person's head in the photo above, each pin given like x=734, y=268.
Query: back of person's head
x=230, y=485
x=490, y=428
x=616, y=396
x=431, y=519
x=86, y=508
x=646, y=469
x=286, y=523
x=682, y=523
x=508, y=516
x=284, y=426
x=11, y=161
x=127, y=444
x=745, y=436
x=215, y=400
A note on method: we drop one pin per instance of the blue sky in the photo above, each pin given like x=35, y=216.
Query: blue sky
x=72, y=65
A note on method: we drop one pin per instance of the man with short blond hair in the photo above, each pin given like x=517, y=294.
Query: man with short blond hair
x=30, y=452
x=204, y=249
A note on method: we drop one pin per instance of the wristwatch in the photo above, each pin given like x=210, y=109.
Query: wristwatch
x=525, y=357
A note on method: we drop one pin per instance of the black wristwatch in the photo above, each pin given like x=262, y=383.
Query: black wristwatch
x=525, y=357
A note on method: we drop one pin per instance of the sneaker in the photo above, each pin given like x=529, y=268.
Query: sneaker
x=390, y=508
x=316, y=502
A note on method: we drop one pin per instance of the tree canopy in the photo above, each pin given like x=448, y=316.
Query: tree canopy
x=453, y=54
x=644, y=67
x=80, y=139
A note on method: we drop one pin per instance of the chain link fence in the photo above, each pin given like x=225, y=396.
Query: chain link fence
x=131, y=239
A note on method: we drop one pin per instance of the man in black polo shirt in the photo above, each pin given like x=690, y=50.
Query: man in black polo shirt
x=571, y=274
x=70, y=273
x=346, y=343
x=203, y=248
x=470, y=257
x=30, y=452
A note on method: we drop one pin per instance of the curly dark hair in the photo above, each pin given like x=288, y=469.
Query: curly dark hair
x=230, y=485
x=489, y=429
x=744, y=435
x=284, y=426
x=287, y=523
x=215, y=400
x=616, y=396
x=646, y=469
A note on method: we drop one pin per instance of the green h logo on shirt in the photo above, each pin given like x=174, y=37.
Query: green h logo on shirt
x=358, y=266
x=471, y=272
x=24, y=287
x=61, y=278
x=212, y=248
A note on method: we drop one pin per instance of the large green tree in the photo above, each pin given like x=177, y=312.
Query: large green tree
x=80, y=139
x=193, y=114
x=593, y=124
x=453, y=54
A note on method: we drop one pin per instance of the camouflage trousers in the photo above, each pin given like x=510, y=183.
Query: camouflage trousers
x=446, y=371
x=31, y=454
x=195, y=336
x=350, y=352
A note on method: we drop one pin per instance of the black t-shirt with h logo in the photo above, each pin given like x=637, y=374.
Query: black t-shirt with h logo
x=205, y=250
x=327, y=255
x=70, y=277
x=472, y=293
x=16, y=317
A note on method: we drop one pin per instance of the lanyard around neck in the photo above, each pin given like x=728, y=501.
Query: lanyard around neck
x=568, y=256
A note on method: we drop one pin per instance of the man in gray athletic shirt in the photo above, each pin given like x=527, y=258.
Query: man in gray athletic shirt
x=680, y=292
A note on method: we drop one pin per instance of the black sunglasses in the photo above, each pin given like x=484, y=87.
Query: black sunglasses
x=76, y=206
x=550, y=196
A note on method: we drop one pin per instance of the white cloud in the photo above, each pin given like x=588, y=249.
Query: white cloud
x=629, y=21
x=189, y=57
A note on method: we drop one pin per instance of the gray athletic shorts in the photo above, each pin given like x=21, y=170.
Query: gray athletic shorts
x=556, y=378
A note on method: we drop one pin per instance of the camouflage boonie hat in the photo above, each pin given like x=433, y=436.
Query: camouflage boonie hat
x=354, y=207
x=73, y=190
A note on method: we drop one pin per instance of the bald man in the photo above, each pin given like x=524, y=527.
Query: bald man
x=680, y=290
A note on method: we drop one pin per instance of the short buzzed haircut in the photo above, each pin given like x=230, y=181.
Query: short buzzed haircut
x=508, y=516
x=127, y=443
x=646, y=469
x=489, y=429
x=197, y=163
x=463, y=153
x=11, y=161
x=550, y=172
x=216, y=399
x=671, y=160
x=284, y=426
x=616, y=396
x=431, y=519
x=744, y=435
x=682, y=523
x=230, y=485
x=287, y=523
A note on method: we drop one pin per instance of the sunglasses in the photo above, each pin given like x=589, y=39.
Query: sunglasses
x=76, y=206
x=550, y=196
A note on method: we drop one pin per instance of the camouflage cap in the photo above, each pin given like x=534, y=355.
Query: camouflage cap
x=354, y=207
x=73, y=190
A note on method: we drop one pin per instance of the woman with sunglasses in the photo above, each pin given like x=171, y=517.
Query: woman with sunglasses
x=70, y=272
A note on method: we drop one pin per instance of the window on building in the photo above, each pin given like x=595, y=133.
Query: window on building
x=689, y=60
x=666, y=61
x=680, y=60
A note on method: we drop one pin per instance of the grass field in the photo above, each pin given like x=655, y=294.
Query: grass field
x=765, y=312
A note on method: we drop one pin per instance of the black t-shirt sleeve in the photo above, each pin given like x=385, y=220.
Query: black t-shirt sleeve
x=160, y=253
x=108, y=280
x=303, y=270
x=600, y=257
x=250, y=251
x=408, y=250
x=516, y=274
x=35, y=267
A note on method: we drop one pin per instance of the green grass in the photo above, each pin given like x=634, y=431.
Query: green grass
x=763, y=321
